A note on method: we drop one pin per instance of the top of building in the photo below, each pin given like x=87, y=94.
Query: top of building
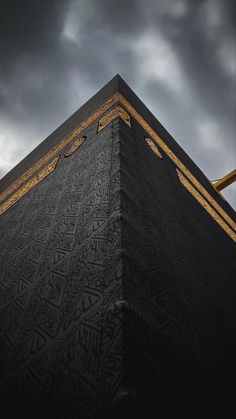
x=116, y=91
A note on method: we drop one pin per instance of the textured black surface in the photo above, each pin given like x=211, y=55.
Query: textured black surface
x=117, y=289
x=65, y=128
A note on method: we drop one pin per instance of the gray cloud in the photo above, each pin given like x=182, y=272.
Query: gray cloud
x=179, y=56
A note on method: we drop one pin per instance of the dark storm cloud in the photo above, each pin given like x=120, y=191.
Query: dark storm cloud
x=179, y=56
x=30, y=24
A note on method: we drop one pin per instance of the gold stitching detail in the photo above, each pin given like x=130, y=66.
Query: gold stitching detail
x=206, y=205
x=102, y=109
x=55, y=150
x=29, y=185
x=117, y=112
x=153, y=147
x=75, y=146
x=175, y=159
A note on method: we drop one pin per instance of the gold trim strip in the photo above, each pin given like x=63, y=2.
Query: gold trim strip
x=92, y=118
x=28, y=186
x=55, y=150
x=153, y=147
x=206, y=205
x=117, y=112
x=175, y=159
x=75, y=146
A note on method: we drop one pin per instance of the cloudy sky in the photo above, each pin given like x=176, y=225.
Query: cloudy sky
x=178, y=55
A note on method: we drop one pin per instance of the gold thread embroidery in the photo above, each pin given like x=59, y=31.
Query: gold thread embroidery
x=102, y=109
x=55, y=150
x=29, y=185
x=175, y=159
x=117, y=112
x=75, y=146
x=153, y=147
x=206, y=205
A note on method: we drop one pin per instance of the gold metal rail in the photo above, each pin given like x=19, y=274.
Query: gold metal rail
x=225, y=181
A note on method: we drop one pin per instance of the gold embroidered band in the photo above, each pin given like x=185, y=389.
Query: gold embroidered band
x=153, y=147
x=75, y=146
x=117, y=112
x=175, y=159
x=55, y=150
x=206, y=205
x=28, y=186
x=92, y=118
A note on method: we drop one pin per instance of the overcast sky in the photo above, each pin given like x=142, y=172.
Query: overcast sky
x=179, y=56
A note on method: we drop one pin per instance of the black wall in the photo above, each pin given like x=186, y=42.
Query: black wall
x=117, y=289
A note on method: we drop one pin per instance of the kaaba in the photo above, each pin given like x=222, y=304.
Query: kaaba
x=117, y=271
